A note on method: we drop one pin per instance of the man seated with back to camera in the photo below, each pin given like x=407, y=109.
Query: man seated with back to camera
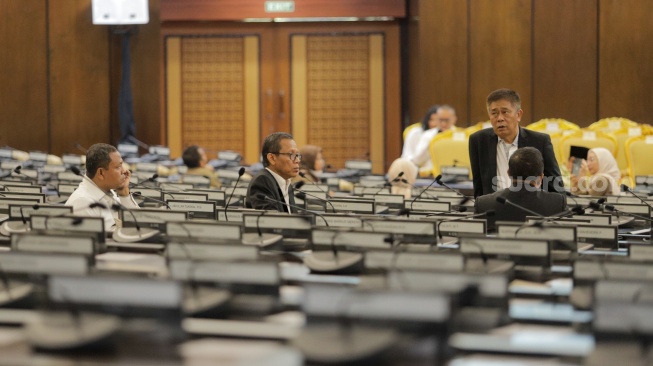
x=106, y=182
x=526, y=170
x=281, y=161
x=195, y=159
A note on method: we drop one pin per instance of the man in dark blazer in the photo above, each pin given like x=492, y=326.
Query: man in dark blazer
x=281, y=161
x=490, y=149
x=526, y=169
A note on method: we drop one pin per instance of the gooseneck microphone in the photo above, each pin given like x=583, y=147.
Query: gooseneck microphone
x=241, y=171
x=505, y=201
x=611, y=208
x=302, y=194
x=151, y=179
x=18, y=171
x=303, y=175
x=625, y=188
x=488, y=213
x=445, y=185
x=424, y=190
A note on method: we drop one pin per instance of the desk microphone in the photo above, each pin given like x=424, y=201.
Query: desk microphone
x=302, y=194
x=151, y=179
x=505, y=201
x=18, y=171
x=445, y=185
x=488, y=213
x=303, y=175
x=611, y=208
x=625, y=188
x=241, y=171
x=146, y=198
x=424, y=190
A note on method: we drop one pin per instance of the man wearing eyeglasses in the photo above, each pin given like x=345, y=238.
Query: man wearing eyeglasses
x=281, y=161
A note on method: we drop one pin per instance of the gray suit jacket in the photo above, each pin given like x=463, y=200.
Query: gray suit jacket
x=483, y=158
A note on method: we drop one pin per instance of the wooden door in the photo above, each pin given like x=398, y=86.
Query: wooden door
x=336, y=86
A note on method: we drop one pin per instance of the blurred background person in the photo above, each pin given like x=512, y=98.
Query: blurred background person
x=443, y=120
x=195, y=159
x=312, y=166
x=599, y=175
x=412, y=138
x=404, y=184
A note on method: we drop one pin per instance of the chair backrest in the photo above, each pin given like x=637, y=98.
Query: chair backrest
x=586, y=138
x=450, y=148
x=622, y=136
x=553, y=126
x=407, y=129
x=638, y=152
x=611, y=124
x=477, y=127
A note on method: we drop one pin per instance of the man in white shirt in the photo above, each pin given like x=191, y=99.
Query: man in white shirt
x=105, y=184
x=281, y=161
x=445, y=119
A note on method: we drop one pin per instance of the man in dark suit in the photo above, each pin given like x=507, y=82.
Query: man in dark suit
x=281, y=161
x=526, y=169
x=490, y=149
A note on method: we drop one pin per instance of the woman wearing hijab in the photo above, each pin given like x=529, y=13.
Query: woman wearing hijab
x=404, y=184
x=599, y=175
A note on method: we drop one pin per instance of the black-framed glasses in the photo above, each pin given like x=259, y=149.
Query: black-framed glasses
x=292, y=156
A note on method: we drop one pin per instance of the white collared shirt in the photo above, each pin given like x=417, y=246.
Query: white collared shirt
x=422, y=156
x=88, y=193
x=284, y=184
x=504, y=152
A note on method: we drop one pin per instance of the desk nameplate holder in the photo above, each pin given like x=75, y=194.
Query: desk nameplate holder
x=277, y=221
x=352, y=205
x=489, y=285
x=211, y=252
x=16, y=182
x=195, y=179
x=211, y=195
x=640, y=252
x=236, y=214
x=350, y=238
x=68, y=177
x=184, y=196
x=154, y=219
x=259, y=273
x=71, y=159
x=149, y=192
x=73, y=224
x=66, y=188
x=315, y=188
x=53, y=169
x=31, y=173
x=38, y=196
x=28, y=209
x=361, y=191
x=553, y=232
x=107, y=290
x=632, y=208
x=224, y=231
x=390, y=200
x=414, y=261
x=364, y=165
x=69, y=244
x=37, y=263
x=195, y=209
x=147, y=167
x=10, y=165
x=6, y=202
x=326, y=300
x=427, y=205
x=405, y=227
x=38, y=156
x=594, y=219
x=502, y=246
x=316, y=196
x=238, y=192
x=175, y=187
x=612, y=270
x=598, y=235
x=6, y=154
x=227, y=174
x=336, y=220
x=462, y=227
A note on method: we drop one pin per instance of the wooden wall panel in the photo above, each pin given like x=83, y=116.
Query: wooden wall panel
x=565, y=60
x=443, y=57
x=183, y=10
x=79, y=76
x=23, y=75
x=626, y=59
x=500, y=53
x=146, y=52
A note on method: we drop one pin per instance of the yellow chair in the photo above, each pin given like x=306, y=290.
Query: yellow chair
x=622, y=136
x=450, y=148
x=611, y=124
x=638, y=152
x=407, y=129
x=477, y=127
x=552, y=126
x=586, y=138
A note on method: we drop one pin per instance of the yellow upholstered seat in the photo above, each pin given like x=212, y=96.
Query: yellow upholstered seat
x=638, y=154
x=450, y=148
x=586, y=138
x=407, y=129
x=611, y=124
x=477, y=127
x=553, y=126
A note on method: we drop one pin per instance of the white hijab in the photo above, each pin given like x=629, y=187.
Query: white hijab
x=608, y=168
x=410, y=175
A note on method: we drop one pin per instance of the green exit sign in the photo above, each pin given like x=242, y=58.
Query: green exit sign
x=279, y=6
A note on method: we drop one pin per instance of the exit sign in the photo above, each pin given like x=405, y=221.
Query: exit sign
x=279, y=6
